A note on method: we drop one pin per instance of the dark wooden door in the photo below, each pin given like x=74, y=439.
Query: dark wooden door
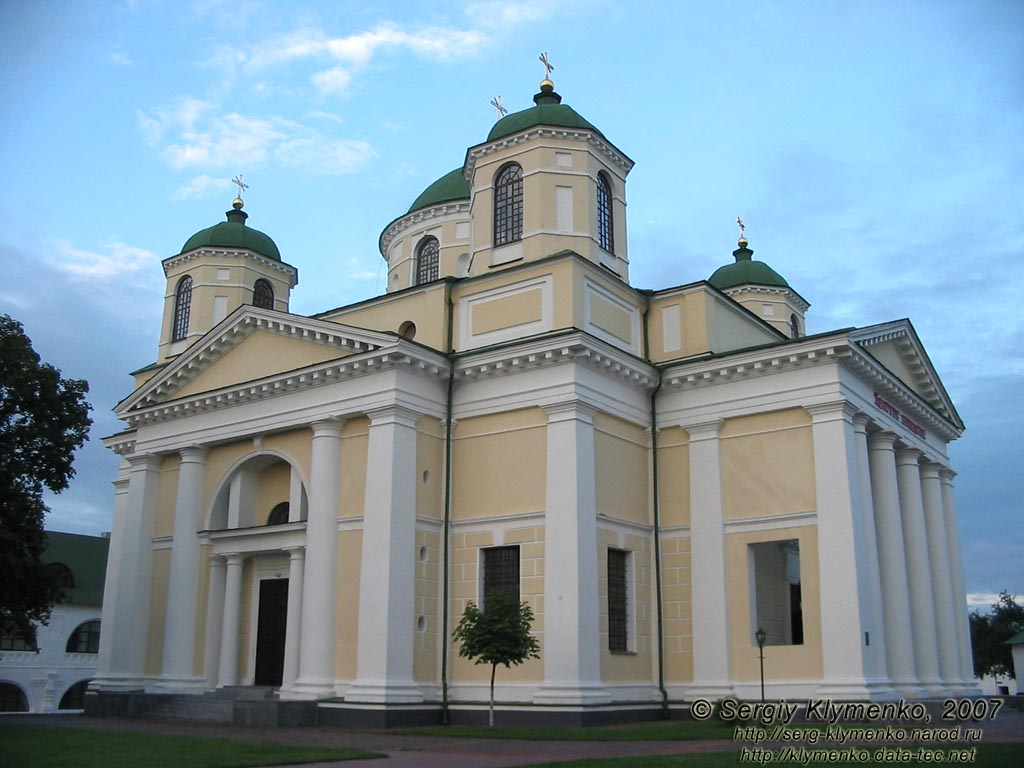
x=271, y=623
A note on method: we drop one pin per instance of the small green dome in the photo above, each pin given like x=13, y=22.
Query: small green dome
x=548, y=110
x=233, y=234
x=451, y=186
x=746, y=271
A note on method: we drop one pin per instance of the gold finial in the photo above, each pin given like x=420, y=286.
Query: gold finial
x=743, y=230
x=548, y=69
x=237, y=203
x=496, y=103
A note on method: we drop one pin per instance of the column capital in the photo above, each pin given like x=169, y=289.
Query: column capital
x=327, y=427
x=297, y=552
x=570, y=410
x=393, y=414
x=836, y=409
x=144, y=461
x=861, y=421
x=234, y=558
x=882, y=441
x=946, y=475
x=906, y=455
x=703, y=429
x=194, y=454
x=930, y=470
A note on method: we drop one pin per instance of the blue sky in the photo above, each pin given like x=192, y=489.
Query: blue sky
x=874, y=149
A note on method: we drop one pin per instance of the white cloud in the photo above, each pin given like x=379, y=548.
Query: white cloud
x=985, y=600
x=117, y=259
x=120, y=58
x=333, y=80
x=333, y=157
x=199, y=187
x=501, y=15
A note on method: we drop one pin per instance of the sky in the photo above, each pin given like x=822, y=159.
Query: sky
x=874, y=149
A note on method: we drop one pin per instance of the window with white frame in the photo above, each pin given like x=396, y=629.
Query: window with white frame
x=500, y=566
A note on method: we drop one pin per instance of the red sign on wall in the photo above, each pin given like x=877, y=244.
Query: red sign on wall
x=886, y=407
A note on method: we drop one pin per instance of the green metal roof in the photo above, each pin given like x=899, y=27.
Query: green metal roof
x=745, y=271
x=233, y=234
x=86, y=557
x=451, y=186
x=1017, y=639
x=548, y=110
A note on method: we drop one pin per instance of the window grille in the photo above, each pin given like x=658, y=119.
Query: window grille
x=182, y=308
x=501, y=571
x=508, y=205
x=605, y=233
x=85, y=639
x=427, y=259
x=263, y=294
x=618, y=617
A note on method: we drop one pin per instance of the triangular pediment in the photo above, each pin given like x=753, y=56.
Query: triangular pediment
x=897, y=347
x=253, y=344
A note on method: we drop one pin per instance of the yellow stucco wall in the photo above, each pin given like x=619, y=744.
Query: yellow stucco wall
x=274, y=487
x=430, y=468
x=781, y=662
x=677, y=615
x=167, y=490
x=428, y=567
x=355, y=441
x=621, y=460
x=767, y=464
x=674, y=476
x=507, y=311
x=425, y=307
x=201, y=607
x=157, y=610
x=633, y=665
x=500, y=464
x=346, y=648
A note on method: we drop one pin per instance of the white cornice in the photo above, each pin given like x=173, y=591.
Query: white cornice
x=603, y=147
x=798, y=301
x=123, y=443
x=231, y=253
x=410, y=220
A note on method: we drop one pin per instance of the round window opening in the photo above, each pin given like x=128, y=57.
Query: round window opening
x=407, y=330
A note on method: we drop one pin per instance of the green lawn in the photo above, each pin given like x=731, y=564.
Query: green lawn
x=988, y=756
x=663, y=730
x=40, y=746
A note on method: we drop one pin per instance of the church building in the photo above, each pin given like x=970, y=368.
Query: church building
x=306, y=505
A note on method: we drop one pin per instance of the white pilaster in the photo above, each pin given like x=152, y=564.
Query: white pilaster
x=214, y=619
x=942, y=585
x=112, y=581
x=846, y=609
x=572, y=658
x=316, y=643
x=892, y=565
x=875, y=628
x=228, y=665
x=919, y=575
x=293, y=627
x=180, y=627
x=956, y=574
x=709, y=597
x=387, y=573
x=126, y=628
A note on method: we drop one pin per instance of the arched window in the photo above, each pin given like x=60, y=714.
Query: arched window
x=12, y=699
x=279, y=514
x=508, y=205
x=427, y=256
x=263, y=294
x=64, y=575
x=605, y=230
x=75, y=696
x=794, y=326
x=85, y=639
x=182, y=306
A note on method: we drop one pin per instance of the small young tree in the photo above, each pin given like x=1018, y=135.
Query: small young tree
x=499, y=634
x=989, y=633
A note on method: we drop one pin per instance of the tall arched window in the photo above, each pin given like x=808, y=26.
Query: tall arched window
x=279, y=514
x=182, y=306
x=263, y=294
x=85, y=639
x=605, y=230
x=427, y=256
x=794, y=327
x=508, y=205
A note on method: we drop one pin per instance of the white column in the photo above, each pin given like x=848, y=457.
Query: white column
x=957, y=583
x=319, y=593
x=293, y=626
x=875, y=627
x=892, y=565
x=228, y=666
x=919, y=574
x=572, y=651
x=214, y=619
x=387, y=572
x=180, y=627
x=709, y=598
x=113, y=578
x=126, y=628
x=846, y=609
x=942, y=584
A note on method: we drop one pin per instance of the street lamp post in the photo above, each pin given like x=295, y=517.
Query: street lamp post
x=761, y=636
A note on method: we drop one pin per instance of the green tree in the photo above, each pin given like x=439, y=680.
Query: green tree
x=989, y=633
x=499, y=634
x=44, y=418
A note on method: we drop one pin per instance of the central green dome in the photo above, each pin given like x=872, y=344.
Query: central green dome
x=548, y=110
x=233, y=234
x=746, y=271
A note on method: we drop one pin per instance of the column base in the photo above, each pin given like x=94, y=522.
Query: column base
x=711, y=689
x=572, y=695
x=117, y=684
x=308, y=690
x=187, y=685
x=857, y=690
x=365, y=692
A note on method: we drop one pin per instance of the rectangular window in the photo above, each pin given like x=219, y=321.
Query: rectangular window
x=618, y=600
x=775, y=596
x=501, y=571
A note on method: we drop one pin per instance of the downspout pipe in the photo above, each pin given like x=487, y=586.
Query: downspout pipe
x=656, y=509
x=446, y=525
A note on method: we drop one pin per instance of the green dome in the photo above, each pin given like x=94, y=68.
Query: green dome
x=746, y=271
x=548, y=110
x=233, y=234
x=451, y=186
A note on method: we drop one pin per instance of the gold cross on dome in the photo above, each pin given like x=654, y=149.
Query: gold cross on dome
x=241, y=184
x=496, y=103
x=548, y=66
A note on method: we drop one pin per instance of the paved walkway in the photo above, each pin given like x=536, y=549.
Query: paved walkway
x=405, y=751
